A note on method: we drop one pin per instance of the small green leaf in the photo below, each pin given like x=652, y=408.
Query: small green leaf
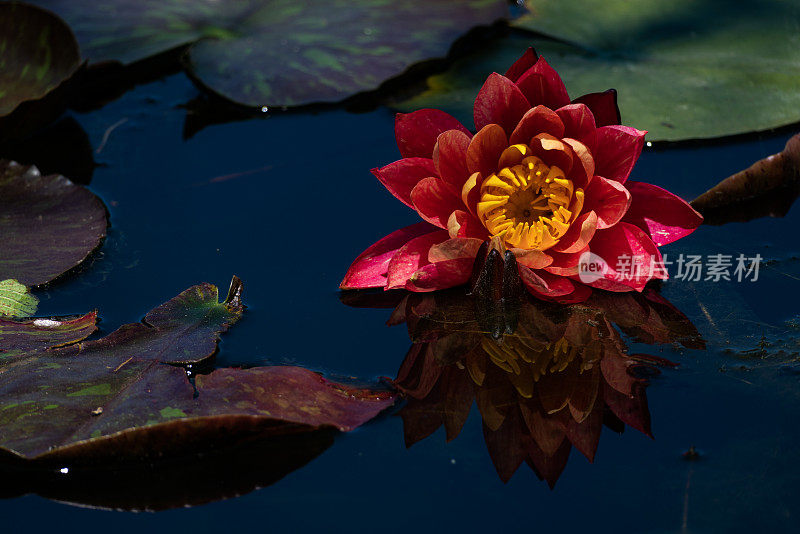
x=16, y=300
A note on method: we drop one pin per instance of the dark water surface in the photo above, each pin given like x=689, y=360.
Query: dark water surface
x=287, y=202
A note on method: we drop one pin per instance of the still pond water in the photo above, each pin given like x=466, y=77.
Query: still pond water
x=287, y=201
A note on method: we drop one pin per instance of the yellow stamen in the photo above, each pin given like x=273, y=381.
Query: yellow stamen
x=528, y=203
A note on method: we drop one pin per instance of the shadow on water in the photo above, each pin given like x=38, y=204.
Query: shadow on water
x=208, y=468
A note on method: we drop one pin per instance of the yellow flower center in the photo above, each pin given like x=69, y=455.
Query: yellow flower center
x=527, y=204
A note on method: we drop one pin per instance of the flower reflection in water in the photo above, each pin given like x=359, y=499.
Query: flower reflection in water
x=545, y=377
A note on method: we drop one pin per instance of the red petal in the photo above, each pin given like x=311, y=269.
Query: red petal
x=485, y=149
x=618, y=148
x=370, y=267
x=464, y=224
x=533, y=259
x=536, y=121
x=663, y=216
x=565, y=264
x=544, y=285
x=435, y=201
x=621, y=245
x=441, y=275
x=450, y=158
x=581, y=174
x=579, y=234
x=521, y=66
x=403, y=175
x=552, y=151
x=412, y=256
x=541, y=84
x=416, y=132
x=609, y=199
x=579, y=124
x=604, y=107
x=499, y=102
x=455, y=249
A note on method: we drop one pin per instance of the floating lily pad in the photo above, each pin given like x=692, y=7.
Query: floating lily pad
x=23, y=336
x=48, y=224
x=125, y=397
x=16, y=300
x=38, y=52
x=278, y=52
x=768, y=187
x=683, y=69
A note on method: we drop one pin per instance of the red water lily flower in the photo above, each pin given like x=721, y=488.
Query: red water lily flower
x=545, y=178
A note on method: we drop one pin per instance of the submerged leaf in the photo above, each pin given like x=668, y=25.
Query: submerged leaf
x=768, y=187
x=16, y=300
x=683, y=69
x=99, y=406
x=48, y=225
x=278, y=52
x=39, y=52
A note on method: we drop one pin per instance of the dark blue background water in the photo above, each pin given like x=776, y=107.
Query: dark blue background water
x=291, y=227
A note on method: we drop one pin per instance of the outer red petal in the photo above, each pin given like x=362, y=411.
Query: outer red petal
x=435, y=201
x=455, y=249
x=547, y=286
x=450, y=158
x=541, y=84
x=411, y=257
x=485, y=149
x=579, y=124
x=663, y=216
x=416, y=132
x=621, y=244
x=604, y=107
x=609, y=199
x=499, y=102
x=521, y=66
x=441, y=275
x=370, y=267
x=537, y=120
x=618, y=148
x=403, y=175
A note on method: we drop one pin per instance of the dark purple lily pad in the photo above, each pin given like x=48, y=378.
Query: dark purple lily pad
x=39, y=53
x=25, y=335
x=278, y=52
x=93, y=409
x=48, y=225
x=57, y=398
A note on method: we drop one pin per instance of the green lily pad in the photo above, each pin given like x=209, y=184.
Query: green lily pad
x=16, y=300
x=48, y=224
x=128, y=397
x=278, y=52
x=38, y=52
x=683, y=69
